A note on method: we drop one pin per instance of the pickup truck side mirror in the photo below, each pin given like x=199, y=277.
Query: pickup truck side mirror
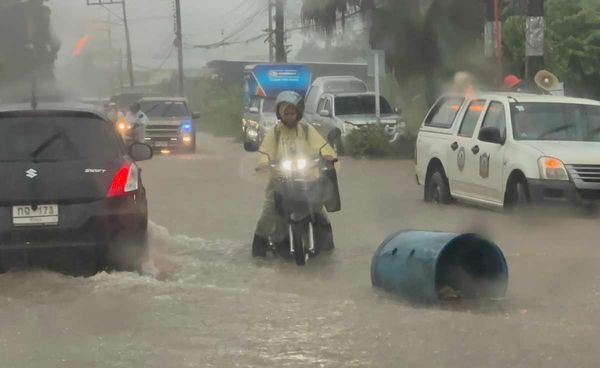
x=253, y=110
x=325, y=113
x=491, y=135
x=334, y=135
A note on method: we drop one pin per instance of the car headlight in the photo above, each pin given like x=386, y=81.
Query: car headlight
x=301, y=164
x=123, y=127
x=287, y=165
x=552, y=169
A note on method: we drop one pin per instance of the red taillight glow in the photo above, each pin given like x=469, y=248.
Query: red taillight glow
x=124, y=182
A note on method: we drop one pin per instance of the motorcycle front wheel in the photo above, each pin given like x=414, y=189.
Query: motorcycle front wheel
x=301, y=242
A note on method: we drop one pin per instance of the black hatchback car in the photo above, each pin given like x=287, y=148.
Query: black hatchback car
x=70, y=183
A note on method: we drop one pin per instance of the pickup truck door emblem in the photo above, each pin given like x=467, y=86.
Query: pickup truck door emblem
x=462, y=157
x=484, y=165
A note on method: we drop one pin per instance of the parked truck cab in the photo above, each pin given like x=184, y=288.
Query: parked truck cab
x=503, y=150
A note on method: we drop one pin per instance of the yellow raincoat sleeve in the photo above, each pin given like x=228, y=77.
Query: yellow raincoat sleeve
x=269, y=146
x=315, y=141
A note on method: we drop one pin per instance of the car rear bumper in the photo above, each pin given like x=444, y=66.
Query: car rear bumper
x=91, y=224
x=562, y=193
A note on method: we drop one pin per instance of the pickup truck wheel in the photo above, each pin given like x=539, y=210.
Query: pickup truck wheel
x=437, y=190
x=518, y=194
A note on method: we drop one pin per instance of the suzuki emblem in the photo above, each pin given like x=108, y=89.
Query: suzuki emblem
x=31, y=173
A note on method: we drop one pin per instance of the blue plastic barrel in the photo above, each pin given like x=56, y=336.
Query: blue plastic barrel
x=422, y=265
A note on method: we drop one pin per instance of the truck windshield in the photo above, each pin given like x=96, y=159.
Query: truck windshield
x=360, y=105
x=161, y=109
x=556, y=122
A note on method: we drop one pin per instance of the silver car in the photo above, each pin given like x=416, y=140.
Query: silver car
x=171, y=124
x=349, y=111
x=259, y=117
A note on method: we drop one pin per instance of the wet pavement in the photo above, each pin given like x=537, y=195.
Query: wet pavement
x=204, y=302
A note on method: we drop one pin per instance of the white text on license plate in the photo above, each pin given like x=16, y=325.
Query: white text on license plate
x=42, y=215
x=161, y=144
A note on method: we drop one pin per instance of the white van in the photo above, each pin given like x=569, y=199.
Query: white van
x=333, y=84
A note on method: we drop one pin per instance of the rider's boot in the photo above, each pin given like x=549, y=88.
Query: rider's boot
x=260, y=246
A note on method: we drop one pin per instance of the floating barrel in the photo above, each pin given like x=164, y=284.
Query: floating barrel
x=429, y=266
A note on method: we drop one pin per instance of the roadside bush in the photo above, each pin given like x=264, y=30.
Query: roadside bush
x=368, y=141
x=221, y=108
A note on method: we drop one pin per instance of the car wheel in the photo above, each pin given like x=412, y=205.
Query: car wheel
x=192, y=148
x=126, y=253
x=518, y=194
x=437, y=189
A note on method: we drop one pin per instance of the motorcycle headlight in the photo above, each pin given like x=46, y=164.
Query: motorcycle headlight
x=552, y=169
x=287, y=165
x=122, y=126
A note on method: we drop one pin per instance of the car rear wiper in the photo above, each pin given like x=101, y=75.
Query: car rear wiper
x=47, y=143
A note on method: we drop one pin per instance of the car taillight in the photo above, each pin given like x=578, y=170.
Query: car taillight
x=125, y=181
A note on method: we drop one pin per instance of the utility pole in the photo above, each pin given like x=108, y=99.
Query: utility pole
x=270, y=30
x=534, y=45
x=493, y=38
x=179, y=44
x=280, y=51
x=103, y=3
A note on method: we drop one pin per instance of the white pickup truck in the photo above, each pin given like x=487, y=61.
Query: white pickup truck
x=502, y=150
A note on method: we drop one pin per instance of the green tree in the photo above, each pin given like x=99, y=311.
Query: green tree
x=27, y=45
x=572, y=45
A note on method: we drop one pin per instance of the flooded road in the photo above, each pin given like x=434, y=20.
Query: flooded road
x=204, y=302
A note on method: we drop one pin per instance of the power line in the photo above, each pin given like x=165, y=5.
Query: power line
x=245, y=23
x=162, y=63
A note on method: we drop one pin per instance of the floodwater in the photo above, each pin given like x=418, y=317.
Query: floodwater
x=204, y=302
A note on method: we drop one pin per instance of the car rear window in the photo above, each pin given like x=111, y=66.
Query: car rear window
x=56, y=137
x=444, y=112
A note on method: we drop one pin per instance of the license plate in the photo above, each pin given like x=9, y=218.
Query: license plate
x=161, y=144
x=42, y=215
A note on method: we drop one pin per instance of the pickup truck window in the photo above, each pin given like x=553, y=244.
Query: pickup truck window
x=269, y=105
x=321, y=105
x=496, y=117
x=556, y=122
x=444, y=112
x=328, y=105
x=471, y=118
x=360, y=105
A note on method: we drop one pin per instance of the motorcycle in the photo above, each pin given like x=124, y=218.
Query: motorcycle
x=300, y=197
x=128, y=131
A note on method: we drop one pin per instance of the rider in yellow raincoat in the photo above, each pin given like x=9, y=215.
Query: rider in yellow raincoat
x=290, y=138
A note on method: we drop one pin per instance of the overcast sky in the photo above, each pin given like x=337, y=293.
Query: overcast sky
x=152, y=28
